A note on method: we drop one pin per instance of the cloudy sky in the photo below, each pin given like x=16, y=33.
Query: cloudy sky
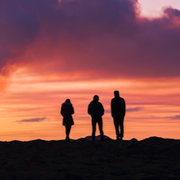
x=51, y=50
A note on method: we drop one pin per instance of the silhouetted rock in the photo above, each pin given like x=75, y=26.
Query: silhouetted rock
x=97, y=138
x=132, y=143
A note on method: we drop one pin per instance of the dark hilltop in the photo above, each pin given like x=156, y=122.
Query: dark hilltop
x=150, y=159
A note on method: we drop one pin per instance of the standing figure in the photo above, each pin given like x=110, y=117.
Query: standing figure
x=66, y=111
x=118, y=109
x=96, y=110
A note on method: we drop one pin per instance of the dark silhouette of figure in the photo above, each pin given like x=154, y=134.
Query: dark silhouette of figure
x=118, y=110
x=96, y=110
x=66, y=111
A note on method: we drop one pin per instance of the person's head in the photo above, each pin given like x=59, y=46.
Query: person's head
x=68, y=101
x=116, y=93
x=96, y=98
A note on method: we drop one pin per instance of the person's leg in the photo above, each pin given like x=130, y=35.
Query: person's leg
x=68, y=128
x=122, y=127
x=116, y=127
x=100, y=124
x=93, y=128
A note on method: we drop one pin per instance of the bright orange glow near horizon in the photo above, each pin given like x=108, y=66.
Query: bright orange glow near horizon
x=152, y=107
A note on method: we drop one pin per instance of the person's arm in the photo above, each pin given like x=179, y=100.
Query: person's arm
x=61, y=111
x=112, y=108
x=72, y=110
x=102, y=109
x=89, y=109
x=124, y=107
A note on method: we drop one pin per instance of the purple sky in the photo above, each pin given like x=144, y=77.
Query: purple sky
x=106, y=37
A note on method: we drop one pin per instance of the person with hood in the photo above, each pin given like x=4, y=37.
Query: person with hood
x=96, y=110
x=66, y=111
x=118, y=110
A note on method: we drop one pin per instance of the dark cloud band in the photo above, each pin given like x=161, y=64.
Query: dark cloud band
x=32, y=120
x=106, y=37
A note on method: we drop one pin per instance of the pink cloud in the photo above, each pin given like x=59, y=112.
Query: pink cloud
x=99, y=38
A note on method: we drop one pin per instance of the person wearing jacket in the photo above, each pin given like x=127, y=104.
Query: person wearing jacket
x=66, y=111
x=118, y=110
x=96, y=110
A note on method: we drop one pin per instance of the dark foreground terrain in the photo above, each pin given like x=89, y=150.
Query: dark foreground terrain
x=153, y=158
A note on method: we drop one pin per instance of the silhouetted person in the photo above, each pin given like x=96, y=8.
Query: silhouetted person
x=96, y=110
x=66, y=111
x=118, y=110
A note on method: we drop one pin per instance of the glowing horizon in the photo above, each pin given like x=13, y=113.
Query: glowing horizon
x=33, y=101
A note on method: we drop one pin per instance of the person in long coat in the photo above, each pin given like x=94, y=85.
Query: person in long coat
x=66, y=111
x=96, y=110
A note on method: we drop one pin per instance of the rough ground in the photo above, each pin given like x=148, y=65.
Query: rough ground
x=153, y=158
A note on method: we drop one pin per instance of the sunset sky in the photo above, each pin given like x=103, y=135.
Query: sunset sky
x=51, y=50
